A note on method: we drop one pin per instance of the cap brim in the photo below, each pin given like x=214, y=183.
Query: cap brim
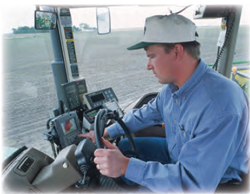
x=141, y=45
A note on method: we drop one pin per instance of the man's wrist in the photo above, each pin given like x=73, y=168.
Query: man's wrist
x=125, y=165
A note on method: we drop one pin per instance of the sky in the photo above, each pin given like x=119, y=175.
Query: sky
x=18, y=14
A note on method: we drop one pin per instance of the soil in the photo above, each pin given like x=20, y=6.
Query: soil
x=28, y=86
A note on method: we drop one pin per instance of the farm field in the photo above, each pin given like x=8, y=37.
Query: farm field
x=29, y=94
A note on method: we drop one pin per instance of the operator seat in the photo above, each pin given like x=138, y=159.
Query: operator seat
x=232, y=187
x=152, y=131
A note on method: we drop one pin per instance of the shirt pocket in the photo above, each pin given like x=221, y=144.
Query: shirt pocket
x=183, y=136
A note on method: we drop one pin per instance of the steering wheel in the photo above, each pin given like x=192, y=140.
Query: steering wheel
x=100, y=121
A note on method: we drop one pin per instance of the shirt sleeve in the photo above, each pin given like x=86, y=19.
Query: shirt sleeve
x=202, y=162
x=138, y=119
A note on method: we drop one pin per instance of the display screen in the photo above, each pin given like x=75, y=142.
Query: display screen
x=92, y=113
x=69, y=126
x=97, y=98
x=71, y=90
x=81, y=87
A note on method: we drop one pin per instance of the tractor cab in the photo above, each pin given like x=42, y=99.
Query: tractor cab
x=88, y=81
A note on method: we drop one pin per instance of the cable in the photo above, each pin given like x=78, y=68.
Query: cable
x=182, y=9
x=48, y=122
x=228, y=33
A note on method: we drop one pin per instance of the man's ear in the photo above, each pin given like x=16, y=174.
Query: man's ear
x=178, y=51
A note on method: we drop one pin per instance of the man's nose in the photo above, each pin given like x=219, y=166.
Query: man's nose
x=149, y=65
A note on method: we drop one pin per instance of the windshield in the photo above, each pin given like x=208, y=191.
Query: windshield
x=29, y=91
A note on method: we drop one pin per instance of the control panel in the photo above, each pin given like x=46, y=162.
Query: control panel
x=89, y=116
x=99, y=98
x=76, y=96
x=89, y=119
x=95, y=101
x=67, y=127
x=66, y=28
x=72, y=93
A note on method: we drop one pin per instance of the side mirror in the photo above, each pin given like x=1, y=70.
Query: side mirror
x=45, y=20
x=103, y=20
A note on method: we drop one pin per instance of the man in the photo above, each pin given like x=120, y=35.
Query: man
x=205, y=116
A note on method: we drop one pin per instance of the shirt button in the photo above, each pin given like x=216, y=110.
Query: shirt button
x=176, y=100
x=175, y=137
x=174, y=121
x=184, y=134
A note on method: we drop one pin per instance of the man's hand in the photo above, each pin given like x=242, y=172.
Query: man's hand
x=111, y=162
x=90, y=135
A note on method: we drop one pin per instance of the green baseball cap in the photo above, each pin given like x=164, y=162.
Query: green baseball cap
x=172, y=28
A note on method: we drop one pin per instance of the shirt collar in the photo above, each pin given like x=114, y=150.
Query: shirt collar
x=191, y=82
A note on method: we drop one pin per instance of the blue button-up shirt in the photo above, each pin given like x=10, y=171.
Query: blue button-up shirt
x=206, y=125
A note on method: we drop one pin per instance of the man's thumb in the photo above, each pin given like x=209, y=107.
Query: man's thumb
x=108, y=144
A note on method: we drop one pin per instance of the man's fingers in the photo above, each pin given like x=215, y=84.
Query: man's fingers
x=98, y=160
x=99, y=152
x=108, y=144
x=101, y=166
x=89, y=135
x=104, y=172
x=83, y=135
x=103, y=169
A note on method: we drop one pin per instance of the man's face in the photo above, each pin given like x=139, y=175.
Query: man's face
x=161, y=63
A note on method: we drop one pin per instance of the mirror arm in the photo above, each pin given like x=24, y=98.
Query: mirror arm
x=37, y=8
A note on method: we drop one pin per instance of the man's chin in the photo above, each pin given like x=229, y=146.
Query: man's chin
x=164, y=81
